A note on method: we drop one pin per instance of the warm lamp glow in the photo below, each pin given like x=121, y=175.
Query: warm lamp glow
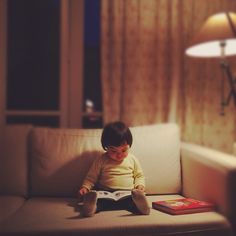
x=212, y=49
x=217, y=38
x=217, y=29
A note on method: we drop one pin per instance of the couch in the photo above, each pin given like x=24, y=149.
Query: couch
x=42, y=168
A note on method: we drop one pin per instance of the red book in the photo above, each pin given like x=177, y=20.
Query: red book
x=183, y=206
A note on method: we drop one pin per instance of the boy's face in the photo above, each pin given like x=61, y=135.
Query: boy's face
x=118, y=153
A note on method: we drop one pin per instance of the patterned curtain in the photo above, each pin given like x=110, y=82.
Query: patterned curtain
x=147, y=78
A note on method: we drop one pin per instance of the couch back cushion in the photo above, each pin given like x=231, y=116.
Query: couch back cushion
x=60, y=158
x=13, y=160
x=158, y=149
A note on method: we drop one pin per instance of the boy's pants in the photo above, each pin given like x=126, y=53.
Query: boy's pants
x=123, y=204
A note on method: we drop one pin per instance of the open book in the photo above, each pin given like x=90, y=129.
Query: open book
x=115, y=196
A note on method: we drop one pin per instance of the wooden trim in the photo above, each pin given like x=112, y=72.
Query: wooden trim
x=32, y=113
x=96, y=113
x=71, y=72
x=3, y=66
x=71, y=66
x=3, y=58
x=64, y=61
x=76, y=63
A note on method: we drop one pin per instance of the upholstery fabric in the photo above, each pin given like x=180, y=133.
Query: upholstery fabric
x=60, y=216
x=55, y=162
x=201, y=163
x=60, y=159
x=153, y=145
x=14, y=162
x=9, y=204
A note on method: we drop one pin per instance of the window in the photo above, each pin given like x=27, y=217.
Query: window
x=92, y=84
x=49, y=64
x=33, y=55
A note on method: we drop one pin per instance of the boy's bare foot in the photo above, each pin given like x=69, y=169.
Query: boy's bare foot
x=140, y=201
x=90, y=204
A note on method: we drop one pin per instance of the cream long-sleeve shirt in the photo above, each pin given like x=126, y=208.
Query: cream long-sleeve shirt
x=108, y=174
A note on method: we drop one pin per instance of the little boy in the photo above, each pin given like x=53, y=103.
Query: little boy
x=116, y=169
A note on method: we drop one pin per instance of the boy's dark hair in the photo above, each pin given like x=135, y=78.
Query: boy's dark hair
x=115, y=134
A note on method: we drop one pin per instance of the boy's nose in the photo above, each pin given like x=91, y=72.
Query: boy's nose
x=119, y=154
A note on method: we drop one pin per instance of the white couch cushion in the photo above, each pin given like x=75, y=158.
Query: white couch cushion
x=60, y=216
x=158, y=149
x=60, y=158
x=14, y=160
x=9, y=204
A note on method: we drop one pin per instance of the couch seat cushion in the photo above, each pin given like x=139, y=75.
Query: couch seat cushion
x=60, y=216
x=9, y=205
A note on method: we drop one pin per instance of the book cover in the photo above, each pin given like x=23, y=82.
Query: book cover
x=183, y=206
x=116, y=196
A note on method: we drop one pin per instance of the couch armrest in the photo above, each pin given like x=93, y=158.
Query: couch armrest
x=210, y=175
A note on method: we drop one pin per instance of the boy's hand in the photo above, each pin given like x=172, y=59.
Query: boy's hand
x=82, y=192
x=141, y=188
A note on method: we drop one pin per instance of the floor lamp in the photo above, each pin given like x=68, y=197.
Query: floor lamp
x=217, y=38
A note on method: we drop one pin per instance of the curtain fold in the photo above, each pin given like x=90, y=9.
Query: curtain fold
x=146, y=77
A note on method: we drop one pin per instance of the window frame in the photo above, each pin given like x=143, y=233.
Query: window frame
x=71, y=67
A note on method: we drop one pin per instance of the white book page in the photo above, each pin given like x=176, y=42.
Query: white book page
x=113, y=195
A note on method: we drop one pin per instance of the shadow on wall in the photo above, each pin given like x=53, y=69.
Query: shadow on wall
x=65, y=180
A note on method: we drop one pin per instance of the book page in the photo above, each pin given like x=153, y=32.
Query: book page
x=104, y=194
x=117, y=195
x=121, y=194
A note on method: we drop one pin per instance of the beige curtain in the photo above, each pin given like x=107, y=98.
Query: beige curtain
x=146, y=78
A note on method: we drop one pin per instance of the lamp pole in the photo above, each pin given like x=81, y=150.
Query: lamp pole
x=226, y=71
x=222, y=63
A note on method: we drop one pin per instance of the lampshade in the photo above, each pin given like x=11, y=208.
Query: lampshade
x=218, y=28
